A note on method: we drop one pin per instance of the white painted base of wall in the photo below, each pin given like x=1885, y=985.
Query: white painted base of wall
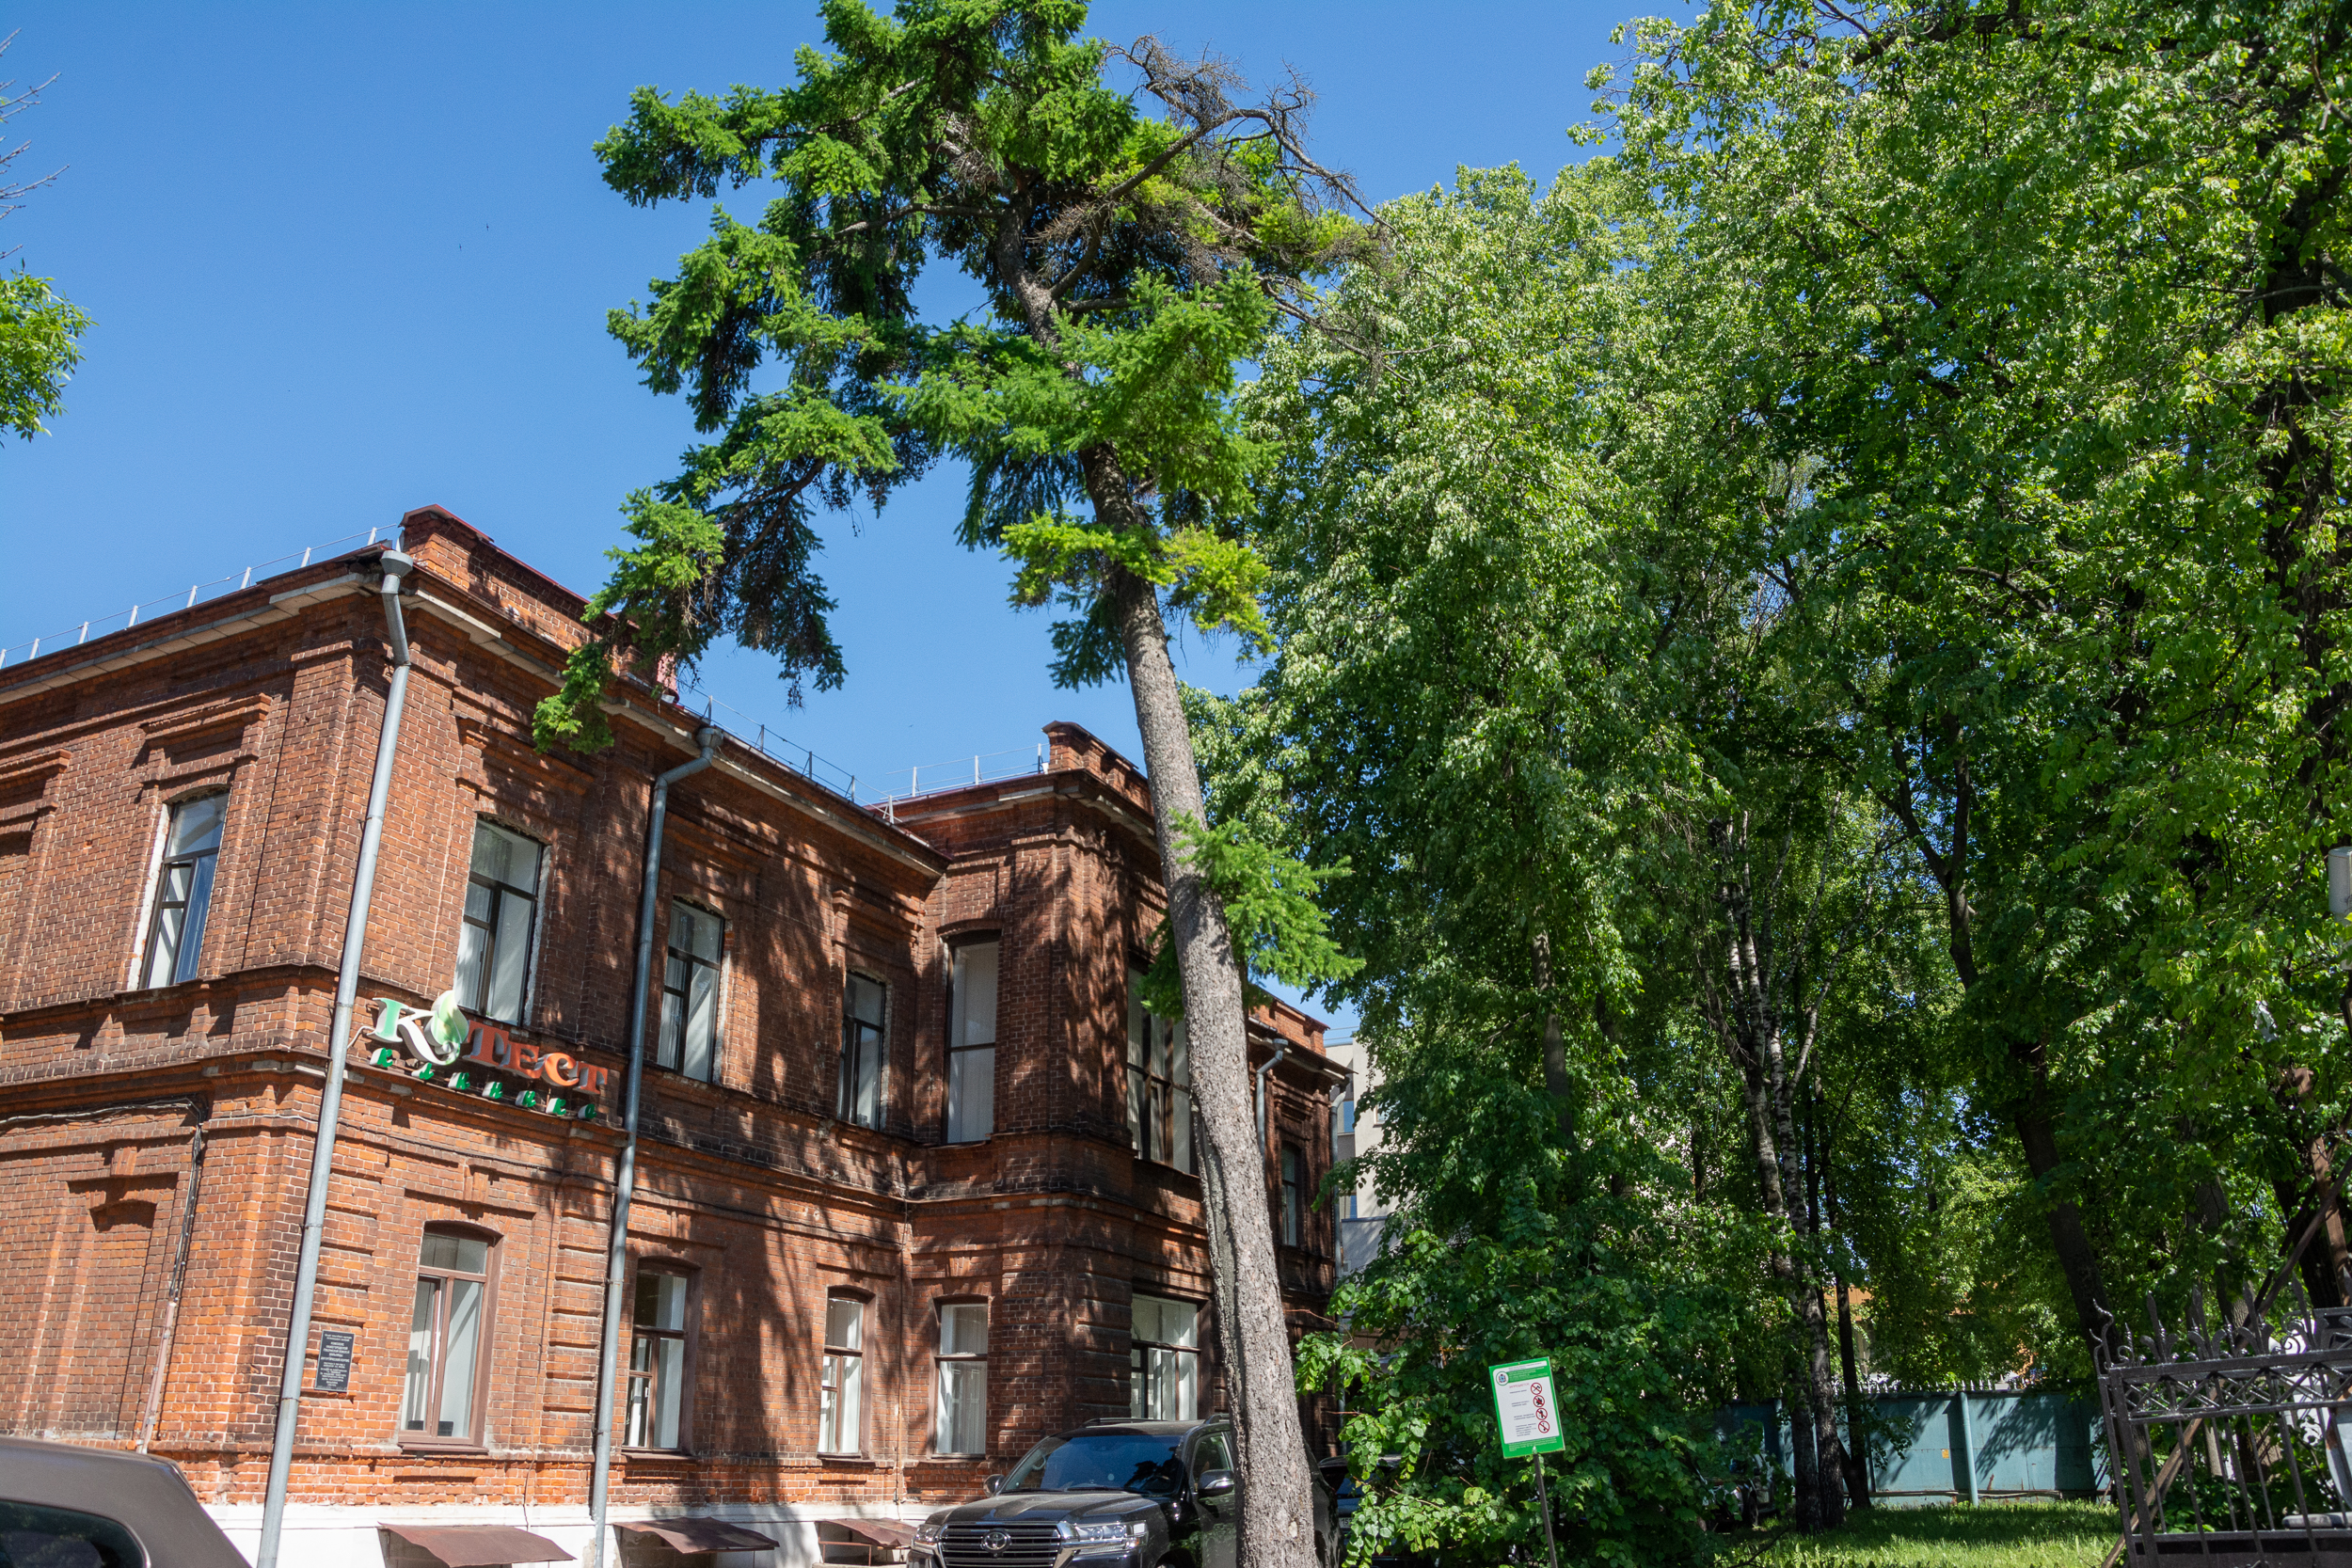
x=335, y=1536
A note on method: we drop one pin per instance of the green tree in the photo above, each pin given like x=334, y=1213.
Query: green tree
x=1127, y=263
x=38, y=329
x=2053, y=299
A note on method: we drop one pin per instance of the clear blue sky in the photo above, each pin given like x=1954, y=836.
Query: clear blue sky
x=347, y=260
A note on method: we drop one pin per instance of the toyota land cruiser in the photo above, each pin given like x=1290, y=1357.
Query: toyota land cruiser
x=1112, y=1494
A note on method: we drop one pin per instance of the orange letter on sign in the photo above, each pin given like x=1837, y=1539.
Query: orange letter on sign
x=526, y=1059
x=557, y=1068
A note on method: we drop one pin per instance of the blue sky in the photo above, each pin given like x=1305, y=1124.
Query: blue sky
x=347, y=260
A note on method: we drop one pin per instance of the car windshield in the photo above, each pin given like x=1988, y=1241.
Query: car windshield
x=1101, y=1462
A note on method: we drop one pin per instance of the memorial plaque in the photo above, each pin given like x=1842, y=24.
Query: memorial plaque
x=334, y=1375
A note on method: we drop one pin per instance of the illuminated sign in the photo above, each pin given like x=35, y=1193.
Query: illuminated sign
x=449, y=1049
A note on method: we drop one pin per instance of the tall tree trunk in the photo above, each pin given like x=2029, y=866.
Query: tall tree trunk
x=1820, y=1387
x=2312, y=1195
x=1857, y=1450
x=1751, y=1030
x=1805, y=1457
x=1828, y=1440
x=2077, y=1259
x=1858, y=1447
x=1277, y=1507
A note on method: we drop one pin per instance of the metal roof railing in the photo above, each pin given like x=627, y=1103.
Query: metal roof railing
x=927, y=779
x=196, y=594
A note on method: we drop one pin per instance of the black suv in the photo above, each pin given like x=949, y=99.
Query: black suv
x=1113, y=1495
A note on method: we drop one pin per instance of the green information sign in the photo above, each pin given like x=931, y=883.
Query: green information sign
x=1525, y=1408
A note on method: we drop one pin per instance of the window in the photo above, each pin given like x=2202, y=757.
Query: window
x=1210, y=1455
x=1346, y=1124
x=183, y=890
x=1159, y=1083
x=446, y=1333
x=971, y=1044
x=1292, y=1196
x=657, y=1363
x=1163, y=1366
x=66, y=1538
x=863, y=1014
x=844, y=1373
x=502, y=908
x=962, y=1426
x=690, y=992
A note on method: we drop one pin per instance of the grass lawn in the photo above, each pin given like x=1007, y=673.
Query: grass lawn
x=1956, y=1535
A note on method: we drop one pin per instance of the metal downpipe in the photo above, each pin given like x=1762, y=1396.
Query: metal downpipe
x=1272, y=1062
x=394, y=566
x=625, y=1180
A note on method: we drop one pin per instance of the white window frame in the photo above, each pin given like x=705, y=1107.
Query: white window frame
x=143, y=934
x=948, y=1368
x=843, y=1366
x=537, y=896
x=966, y=1055
x=1150, y=1353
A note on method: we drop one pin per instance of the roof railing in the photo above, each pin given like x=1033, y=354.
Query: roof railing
x=196, y=594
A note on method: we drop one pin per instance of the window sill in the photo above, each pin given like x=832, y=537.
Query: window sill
x=655, y=1456
x=408, y=1444
x=957, y=1457
x=849, y=1460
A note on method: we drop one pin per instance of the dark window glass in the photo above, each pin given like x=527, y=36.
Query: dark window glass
x=1293, y=1197
x=36, y=1537
x=1104, y=1461
x=1159, y=1083
x=689, y=994
x=864, y=1012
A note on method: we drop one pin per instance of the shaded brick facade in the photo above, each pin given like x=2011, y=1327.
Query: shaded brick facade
x=154, y=1141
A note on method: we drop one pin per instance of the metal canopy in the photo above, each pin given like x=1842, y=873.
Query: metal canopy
x=698, y=1535
x=479, y=1545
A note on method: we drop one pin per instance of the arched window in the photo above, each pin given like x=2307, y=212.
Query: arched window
x=449, y=1336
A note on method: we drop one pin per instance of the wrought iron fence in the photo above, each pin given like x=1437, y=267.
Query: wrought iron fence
x=2225, y=1439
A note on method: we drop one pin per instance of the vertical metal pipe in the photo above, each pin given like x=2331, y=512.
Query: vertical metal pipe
x=1968, y=1447
x=188, y=1200
x=1272, y=1062
x=395, y=566
x=625, y=1180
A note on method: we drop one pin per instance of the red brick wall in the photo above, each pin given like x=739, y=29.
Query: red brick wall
x=749, y=1182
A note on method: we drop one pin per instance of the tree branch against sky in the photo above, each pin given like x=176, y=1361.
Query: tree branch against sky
x=38, y=329
x=1133, y=244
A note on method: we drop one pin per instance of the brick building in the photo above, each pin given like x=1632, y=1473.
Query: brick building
x=903, y=1207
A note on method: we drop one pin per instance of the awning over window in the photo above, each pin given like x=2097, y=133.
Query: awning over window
x=882, y=1533
x=698, y=1535
x=477, y=1546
